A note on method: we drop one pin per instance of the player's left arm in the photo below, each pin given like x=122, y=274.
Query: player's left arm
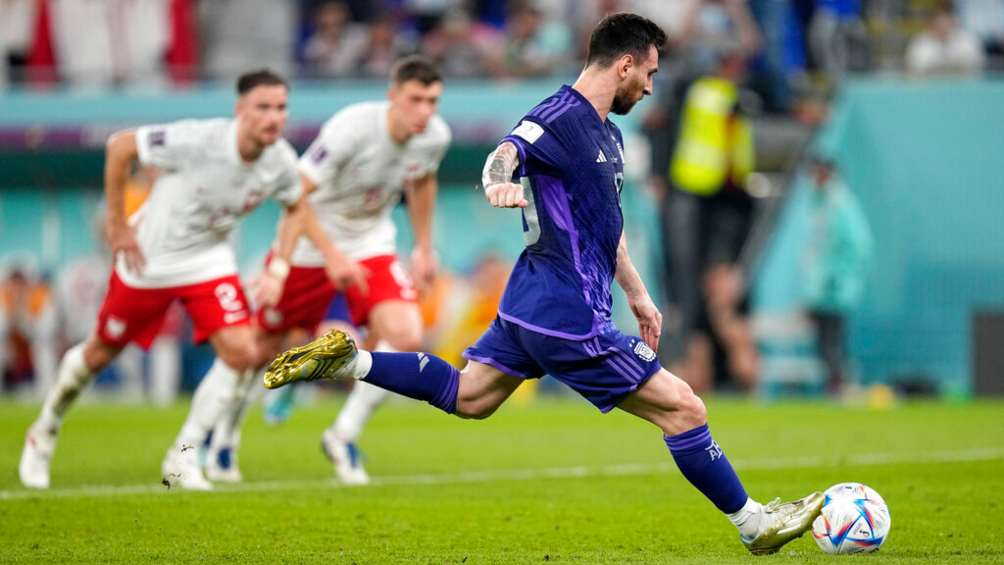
x=642, y=306
x=421, y=194
x=296, y=220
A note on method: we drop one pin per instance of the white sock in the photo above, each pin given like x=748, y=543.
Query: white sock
x=211, y=399
x=227, y=432
x=359, y=367
x=71, y=378
x=165, y=371
x=747, y=518
x=363, y=400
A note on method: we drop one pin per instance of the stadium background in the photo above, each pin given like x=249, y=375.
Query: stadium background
x=918, y=152
x=546, y=479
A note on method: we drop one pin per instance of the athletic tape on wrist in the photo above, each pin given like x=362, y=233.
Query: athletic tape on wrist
x=278, y=268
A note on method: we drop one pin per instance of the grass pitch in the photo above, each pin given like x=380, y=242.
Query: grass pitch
x=554, y=482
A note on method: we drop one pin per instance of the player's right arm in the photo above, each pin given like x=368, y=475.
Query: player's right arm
x=120, y=152
x=341, y=270
x=496, y=177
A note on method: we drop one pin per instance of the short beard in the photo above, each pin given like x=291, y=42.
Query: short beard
x=621, y=104
x=623, y=101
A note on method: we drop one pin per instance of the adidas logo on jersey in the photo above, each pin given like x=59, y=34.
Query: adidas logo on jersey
x=601, y=158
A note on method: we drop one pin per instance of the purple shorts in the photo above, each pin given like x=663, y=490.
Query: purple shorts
x=603, y=369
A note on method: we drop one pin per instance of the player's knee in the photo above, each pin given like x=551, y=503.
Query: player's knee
x=403, y=340
x=475, y=408
x=691, y=408
x=239, y=356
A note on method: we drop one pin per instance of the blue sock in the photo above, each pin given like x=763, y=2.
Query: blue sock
x=706, y=467
x=416, y=375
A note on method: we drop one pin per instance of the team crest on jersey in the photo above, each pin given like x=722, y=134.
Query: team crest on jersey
x=642, y=350
x=115, y=327
x=158, y=138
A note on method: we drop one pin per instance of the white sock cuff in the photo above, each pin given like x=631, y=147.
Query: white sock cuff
x=361, y=365
x=740, y=516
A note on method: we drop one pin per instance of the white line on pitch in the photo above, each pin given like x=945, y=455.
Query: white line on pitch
x=618, y=470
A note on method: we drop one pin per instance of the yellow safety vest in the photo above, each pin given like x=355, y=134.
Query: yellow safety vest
x=714, y=143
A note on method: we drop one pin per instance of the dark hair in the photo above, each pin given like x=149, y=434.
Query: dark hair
x=261, y=77
x=623, y=34
x=415, y=67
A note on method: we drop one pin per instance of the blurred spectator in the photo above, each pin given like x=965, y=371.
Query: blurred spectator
x=17, y=18
x=834, y=265
x=706, y=219
x=838, y=38
x=428, y=14
x=944, y=48
x=459, y=45
x=241, y=34
x=337, y=45
x=533, y=47
x=710, y=23
x=475, y=310
x=111, y=42
x=27, y=328
x=985, y=19
x=383, y=46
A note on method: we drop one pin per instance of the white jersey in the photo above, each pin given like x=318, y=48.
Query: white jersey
x=203, y=190
x=360, y=173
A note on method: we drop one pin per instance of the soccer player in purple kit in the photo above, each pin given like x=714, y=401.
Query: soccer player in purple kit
x=555, y=314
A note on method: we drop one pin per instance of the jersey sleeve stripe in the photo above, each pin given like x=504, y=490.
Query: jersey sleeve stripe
x=553, y=102
x=557, y=112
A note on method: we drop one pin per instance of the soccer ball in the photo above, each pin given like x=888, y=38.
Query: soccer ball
x=854, y=519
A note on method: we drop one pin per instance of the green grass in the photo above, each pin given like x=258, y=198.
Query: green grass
x=943, y=510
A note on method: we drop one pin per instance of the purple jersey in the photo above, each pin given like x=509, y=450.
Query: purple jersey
x=572, y=170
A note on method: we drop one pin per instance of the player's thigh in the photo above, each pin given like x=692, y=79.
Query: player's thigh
x=666, y=401
x=236, y=346
x=399, y=323
x=483, y=388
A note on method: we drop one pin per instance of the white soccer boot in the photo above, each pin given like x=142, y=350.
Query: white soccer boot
x=39, y=445
x=347, y=459
x=221, y=466
x=181, y=469
x=783, y=522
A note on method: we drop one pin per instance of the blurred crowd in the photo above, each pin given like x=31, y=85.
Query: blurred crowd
x=789, y=43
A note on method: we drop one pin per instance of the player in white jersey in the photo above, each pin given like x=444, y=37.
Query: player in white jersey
x=176, y=247
x=365, y=158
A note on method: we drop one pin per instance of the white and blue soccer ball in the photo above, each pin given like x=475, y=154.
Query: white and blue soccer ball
x=855, y=519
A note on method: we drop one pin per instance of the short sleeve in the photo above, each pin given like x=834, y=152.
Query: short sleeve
x=169, y=146
x=537, y=145
x=332, y=148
